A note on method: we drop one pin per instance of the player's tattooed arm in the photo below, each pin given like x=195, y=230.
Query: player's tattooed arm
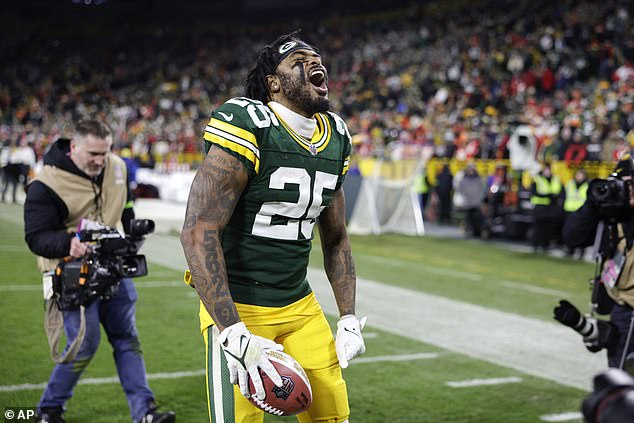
x=338, y=261
x=214, y=194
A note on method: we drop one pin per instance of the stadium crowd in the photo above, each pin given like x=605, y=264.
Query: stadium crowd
x=455, y=77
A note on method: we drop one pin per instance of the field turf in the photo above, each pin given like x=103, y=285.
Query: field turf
x=382, y=388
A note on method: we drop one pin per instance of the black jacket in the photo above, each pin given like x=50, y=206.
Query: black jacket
x=45, y=213
x=580, y=226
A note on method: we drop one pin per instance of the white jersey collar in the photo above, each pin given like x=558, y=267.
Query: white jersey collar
x=301, y=125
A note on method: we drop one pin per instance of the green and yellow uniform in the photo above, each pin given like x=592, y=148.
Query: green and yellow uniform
x=267, y=243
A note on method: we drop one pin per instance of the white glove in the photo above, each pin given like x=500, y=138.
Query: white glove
x=349, y=342
x=245, y=354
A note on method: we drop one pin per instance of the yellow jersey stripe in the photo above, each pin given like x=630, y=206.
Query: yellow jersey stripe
x=320, y=138
x=346, y=165
x=234, y=146
x=233, y=130
x=327, y=132
x=322, y=131
x=292, y=133
x=319, y=134
x=237, y=140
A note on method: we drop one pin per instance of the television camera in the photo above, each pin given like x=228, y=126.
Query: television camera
x=611, y=196
x=111, y=257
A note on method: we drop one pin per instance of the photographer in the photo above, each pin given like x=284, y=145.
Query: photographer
x=82, y=179
x=611, y=203
x=612, y=399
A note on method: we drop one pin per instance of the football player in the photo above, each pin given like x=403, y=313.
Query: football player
x=275, y=164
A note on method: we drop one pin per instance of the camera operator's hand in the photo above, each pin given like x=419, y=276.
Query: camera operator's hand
x=245, y=356
x=77, y=248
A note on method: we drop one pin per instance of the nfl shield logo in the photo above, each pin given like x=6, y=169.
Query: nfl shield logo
x=313, y=150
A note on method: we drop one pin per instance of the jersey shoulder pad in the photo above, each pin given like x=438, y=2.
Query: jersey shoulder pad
x=232, y=129
x=236, y=111
x=340, y=129
x=340, y=125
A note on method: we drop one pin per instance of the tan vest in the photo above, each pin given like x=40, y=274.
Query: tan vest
x=78, y=194
x=623, y=291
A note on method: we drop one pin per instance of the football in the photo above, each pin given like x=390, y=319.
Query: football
x=295, y=395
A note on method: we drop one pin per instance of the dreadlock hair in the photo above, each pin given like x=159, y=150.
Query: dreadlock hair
x=255, y=85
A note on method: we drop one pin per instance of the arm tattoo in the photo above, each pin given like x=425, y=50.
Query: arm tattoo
x=338, y=261
x=213, y=197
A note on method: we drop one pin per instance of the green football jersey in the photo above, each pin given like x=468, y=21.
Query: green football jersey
x=291, y=180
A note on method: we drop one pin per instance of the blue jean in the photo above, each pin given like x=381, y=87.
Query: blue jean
x=117, y=315
x=620, y=317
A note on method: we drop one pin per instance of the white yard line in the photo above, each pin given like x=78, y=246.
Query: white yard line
x=463, y=275
x=444, y=271
x=535, y=289
x=139, y=285
x=562, y=417
x=394, y=261
x=392, y=358
x=483, y=382
x=18, y=288
x=201, y=372
x=13, y=249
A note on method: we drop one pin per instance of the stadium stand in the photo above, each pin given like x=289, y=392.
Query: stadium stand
x=440, y=81
x=452, y=76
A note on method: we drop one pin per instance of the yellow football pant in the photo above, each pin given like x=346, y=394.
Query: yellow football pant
x=302, y=329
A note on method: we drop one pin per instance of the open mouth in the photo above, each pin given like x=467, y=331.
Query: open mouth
x=318, y=79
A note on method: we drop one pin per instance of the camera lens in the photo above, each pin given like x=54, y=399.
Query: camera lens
x=141, y=226
x=599, y=190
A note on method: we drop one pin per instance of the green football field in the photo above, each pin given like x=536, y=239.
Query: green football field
x=399, y=379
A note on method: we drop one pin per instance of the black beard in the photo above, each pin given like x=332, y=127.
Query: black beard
x=299, y=94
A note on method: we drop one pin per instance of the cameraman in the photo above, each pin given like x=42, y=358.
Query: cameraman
x=612, y=400
x=580, y=230
x=81, y=178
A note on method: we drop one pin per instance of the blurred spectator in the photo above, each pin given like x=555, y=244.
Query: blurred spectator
x=454, y=79
x=422, y=186
x=131, y=165
x=472, y=190
x=11, y=178
x=444, y=191
x=546, y=194
x=21, y=161
x=574, y=197
x=498, y=190
x=576, y=150
x=5, y=153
